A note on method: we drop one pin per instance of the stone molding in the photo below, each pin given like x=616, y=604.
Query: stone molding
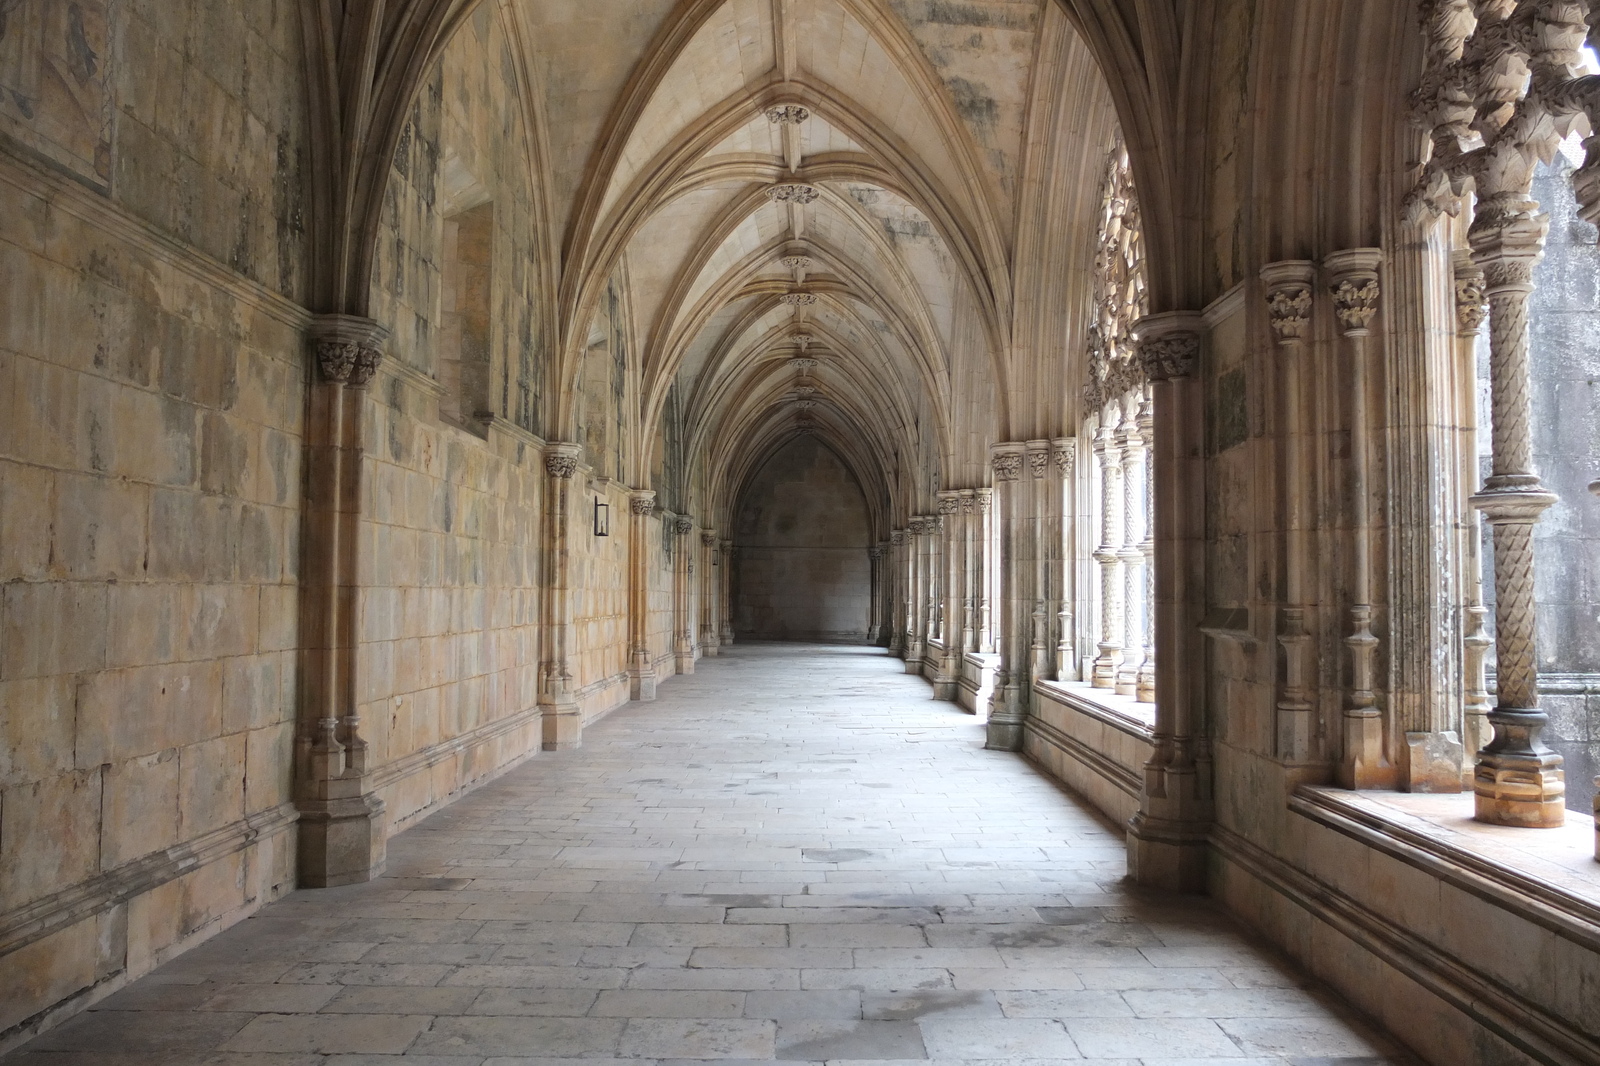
x=76, y=903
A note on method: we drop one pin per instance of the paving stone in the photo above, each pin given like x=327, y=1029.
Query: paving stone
x=653, y=899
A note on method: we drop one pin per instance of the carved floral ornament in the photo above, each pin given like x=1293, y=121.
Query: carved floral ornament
x=1118, y=288
x=1289, y=311
x=1355, y=301
x=796, y=262
x=950, y=505
x=793, y=193
x=787, y=114
x=969, y=504
x=1472, y=306
x=1038, y=461
x=1171, y=355
x=875, y=552
x=798, y=299
x=802, y=338
x=642, y=505
x=803, y=363
x=1066, y=456
x=348, y=348
x=683, y=525
x=897, y=537
x=805, y=405
x=1007, y=466
x=708, y=540
x=560, y=465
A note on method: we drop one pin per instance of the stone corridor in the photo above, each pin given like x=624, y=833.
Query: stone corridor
x=792, y=854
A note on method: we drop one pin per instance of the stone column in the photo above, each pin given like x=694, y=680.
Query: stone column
x=1064, y=452
x=1108, y=454
x=914, y=615
x=951, y=556
x=1289, y=300
x=1145, y=684
x=971, y=569
x=641, y=670
x=1033, y=547
x=1594, y=487
x=683, y=594
x=1519, y=781
x=1167, y=837
x=893, y=594
x=1132, y=553
x=563, y=721
x=342, y=836
x=989, y=567
x=1364, y=762
x=1006, y=706
x=875, y=593
x=710, y=584
x=727, y=591
x=1471, y=310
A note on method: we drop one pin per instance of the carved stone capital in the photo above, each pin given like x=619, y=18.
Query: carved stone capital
x=1169, y=344
x=348, y=348
x=875, y=553
x=1289, y=299
x=1472, y=306
x=787, y=114
x=1353, y=275
x=793, y=192
x=1038, y=457
x=683, y=525
x=642, y=501
x=1064, y=450
x=1007, y=462
x=897, y=537
x=985, y=498
x=949, y=502
x=561, y=460
x=708, y=540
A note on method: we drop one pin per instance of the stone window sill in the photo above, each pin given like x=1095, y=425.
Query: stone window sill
x=1549, y=874
x=1123, y=712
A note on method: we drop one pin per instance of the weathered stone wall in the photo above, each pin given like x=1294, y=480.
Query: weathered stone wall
x=802, y=571
x=150, y=481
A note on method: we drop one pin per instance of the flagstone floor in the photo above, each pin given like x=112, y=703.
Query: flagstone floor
x=793, y=854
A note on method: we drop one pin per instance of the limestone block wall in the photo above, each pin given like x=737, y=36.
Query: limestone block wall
x=151, y=405
x=449, y=599
x=600, y=595
x=802, y=571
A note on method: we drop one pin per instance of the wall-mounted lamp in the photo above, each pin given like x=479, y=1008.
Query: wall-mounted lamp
x=602, y=518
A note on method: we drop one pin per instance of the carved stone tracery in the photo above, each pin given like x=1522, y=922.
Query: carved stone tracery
x=1119, y=289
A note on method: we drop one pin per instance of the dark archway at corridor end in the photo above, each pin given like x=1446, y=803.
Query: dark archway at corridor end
x=802, y=571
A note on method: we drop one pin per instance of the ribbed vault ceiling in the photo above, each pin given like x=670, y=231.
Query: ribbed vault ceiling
x=814, y=205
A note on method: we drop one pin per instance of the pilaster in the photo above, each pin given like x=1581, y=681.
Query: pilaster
x=683, y=594
x=563, y=719
x=342, y=835
x=948, y=531
x=1167, y=838
x=641, y=668
x=710, y=587
x=1006, y=707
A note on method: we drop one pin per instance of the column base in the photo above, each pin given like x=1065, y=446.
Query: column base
x=914, y=658
x=1003, y=732
x=642, y=684
x=563, y=726
x=1433, y=762
x=1363, y=765
x=1523, y=791
x=1173, y=856
x=1597, y=820
x=340, y=841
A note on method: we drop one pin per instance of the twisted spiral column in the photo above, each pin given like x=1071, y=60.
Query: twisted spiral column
x=1518, y=780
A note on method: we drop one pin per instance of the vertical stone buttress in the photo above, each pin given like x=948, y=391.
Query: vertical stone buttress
x=1289, y=304
x=710, y=589
x=1006, y=705
x=641, y=668
x=341, y=832
x=683, y=594
x=1167, y=837
x=563, y=720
